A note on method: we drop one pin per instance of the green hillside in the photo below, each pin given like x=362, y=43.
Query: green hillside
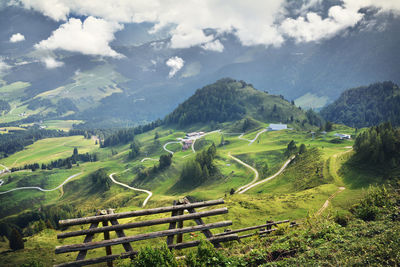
x=230, y=100
x=366, y=106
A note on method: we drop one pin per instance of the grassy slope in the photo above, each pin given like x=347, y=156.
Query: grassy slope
x=276, y=199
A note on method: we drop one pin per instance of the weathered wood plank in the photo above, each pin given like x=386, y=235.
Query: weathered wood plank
x=145, y=223
x=128, y=214
x=97, y=260
x=172, y=225
x=197, y=242
x=121, y=240
x=108, y=248
x=88, y=238
x=251, y=228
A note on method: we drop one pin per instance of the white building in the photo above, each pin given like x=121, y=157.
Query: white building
x=277, y=127
x=342, y=136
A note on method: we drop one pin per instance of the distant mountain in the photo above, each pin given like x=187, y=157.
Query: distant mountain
x=229, y=100
x=138, y=88
x=366, y=106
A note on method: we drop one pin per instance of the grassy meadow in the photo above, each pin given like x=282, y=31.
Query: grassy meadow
x=294, y=194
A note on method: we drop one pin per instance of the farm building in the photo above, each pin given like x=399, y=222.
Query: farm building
x=277, y=127
x=342, y=136
x=186, y=144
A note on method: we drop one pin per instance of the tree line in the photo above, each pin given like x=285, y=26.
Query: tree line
x=60, y=163
x=366, y=106
x=379, y=145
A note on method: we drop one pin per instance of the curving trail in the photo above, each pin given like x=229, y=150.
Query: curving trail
x=173, y=142
x=6, y=169
x=326, y=204
x=41, y=189
x=254, y=139
x=256, y=175
x=269, y=178
x=132, y=188
x=143, y=160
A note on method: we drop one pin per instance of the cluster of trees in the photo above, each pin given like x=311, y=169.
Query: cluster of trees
x=124, y=136
x=16, y=141
x=101, y=180
x=379, y=145
x=32, y=222
x=366, y=106
x=216, y=102
x=60, y=163
x=163, y=163
x=4, y=106
x=292, y=149
x=197, y=171
x=135, y=150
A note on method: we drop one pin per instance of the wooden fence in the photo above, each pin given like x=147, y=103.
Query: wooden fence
x=176, y=228
x=109, y=221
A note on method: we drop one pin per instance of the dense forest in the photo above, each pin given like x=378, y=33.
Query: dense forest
x=366, y=106
x=217, y=102
x=229, y=100
x=379, y=145
x=125, y=136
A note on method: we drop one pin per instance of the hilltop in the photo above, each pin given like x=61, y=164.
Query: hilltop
x=230, y=100
x=366, y=106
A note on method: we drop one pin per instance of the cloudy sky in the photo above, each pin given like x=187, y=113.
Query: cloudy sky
x=88, y=27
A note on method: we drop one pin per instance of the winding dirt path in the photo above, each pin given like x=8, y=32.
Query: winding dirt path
x=269, y=178
x=326, y=204
x=254, y=139
x=256, y=175
x=169, y=151
x=41, y=189
x=143, y=160
x=132, y=188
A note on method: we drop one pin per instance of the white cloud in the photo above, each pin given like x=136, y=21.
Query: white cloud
x=253, y=22
x=3, y=66
x=51, y=63
x=17, y=37
x=91, y=37
x=175, y=63
x=312, y=27
x=216, y=46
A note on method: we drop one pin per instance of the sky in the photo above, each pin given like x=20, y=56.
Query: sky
x=89, y=27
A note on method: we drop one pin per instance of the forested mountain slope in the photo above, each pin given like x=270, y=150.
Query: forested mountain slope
x=229, y=100
x=366, y=106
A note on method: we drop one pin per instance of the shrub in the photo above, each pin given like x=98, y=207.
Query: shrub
x=149, y=257
x=206, y=255
x=376, y=201
x=341, y=218
x=16, y=241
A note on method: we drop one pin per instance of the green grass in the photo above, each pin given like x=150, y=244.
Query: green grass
x=64, y=125
x=46, y=150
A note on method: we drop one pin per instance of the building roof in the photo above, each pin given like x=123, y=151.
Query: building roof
x=273, y=126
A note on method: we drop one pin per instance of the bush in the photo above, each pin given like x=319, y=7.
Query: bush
x=341, y=218
x=376, y=201
x=206, y=255
x=149, y=257
x=16, y=241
